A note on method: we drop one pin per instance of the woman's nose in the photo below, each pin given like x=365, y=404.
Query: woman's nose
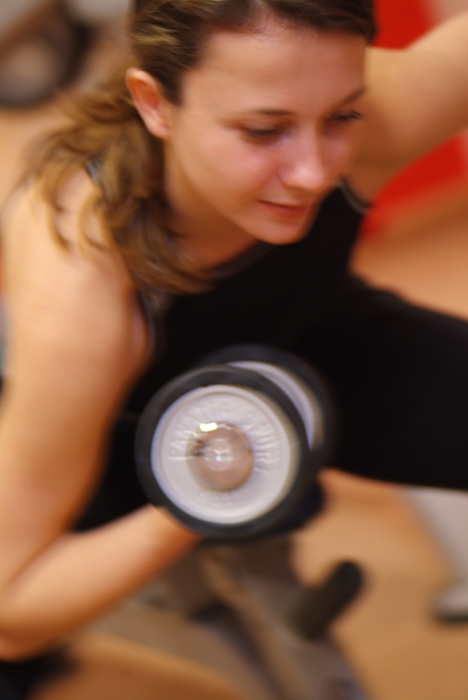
x=304, y=167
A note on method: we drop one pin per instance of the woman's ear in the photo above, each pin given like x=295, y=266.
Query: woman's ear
x=150, y=102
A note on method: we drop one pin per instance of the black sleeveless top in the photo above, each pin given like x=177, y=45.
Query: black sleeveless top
x=275, y=295
x=273, y=299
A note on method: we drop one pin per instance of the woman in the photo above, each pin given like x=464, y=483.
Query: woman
x=199, y=204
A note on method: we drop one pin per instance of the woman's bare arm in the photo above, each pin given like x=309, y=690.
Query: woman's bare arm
x=76, y=341
x=418, y=98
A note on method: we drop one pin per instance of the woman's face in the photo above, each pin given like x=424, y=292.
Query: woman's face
x=266, y=127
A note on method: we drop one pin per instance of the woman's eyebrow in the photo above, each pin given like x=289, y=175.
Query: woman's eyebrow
x=355, y=95
x=268, y=112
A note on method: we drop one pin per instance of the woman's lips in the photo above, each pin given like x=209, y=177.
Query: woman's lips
x=286, y=211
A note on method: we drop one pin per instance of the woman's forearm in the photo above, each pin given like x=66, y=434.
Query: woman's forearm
x=82, y=575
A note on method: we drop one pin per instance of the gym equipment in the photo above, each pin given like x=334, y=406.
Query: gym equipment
x=85, y=11
x=11, y=13
x=248, y=599
x=232, y=446
x=92, y=12
x=40, y=55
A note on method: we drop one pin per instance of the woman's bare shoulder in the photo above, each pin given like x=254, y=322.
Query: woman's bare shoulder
x=71, y=287
x=27, y=219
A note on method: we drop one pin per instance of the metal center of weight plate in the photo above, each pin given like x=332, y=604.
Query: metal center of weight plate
x=220, y=456
x=230, y=448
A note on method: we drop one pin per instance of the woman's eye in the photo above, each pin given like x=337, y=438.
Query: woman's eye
x=345, y=117
x=262, y=135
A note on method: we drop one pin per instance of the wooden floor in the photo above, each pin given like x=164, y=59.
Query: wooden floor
x=397, y=650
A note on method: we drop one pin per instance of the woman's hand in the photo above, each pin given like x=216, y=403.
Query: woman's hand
x=76, y=342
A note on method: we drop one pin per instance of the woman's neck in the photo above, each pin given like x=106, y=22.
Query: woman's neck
x=208, y=239
x=205, y=235
x=209, y=252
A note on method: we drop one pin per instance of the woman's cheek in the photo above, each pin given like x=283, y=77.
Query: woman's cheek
x=244, y=175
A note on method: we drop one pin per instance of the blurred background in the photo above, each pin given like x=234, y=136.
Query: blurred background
x=413, y=543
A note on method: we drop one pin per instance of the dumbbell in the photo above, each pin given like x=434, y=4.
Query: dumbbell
x=232, y=446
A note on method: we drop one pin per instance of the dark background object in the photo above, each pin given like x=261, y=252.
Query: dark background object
x=41, y=57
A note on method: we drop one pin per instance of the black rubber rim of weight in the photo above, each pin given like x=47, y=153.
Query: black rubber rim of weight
x=233, y=376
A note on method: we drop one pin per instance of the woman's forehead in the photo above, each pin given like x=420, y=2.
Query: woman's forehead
x=278, y=63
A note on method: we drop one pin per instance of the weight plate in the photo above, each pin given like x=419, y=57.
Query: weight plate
x=308, y=390
x=207, y=400
x=265, y=428
x=298, y=392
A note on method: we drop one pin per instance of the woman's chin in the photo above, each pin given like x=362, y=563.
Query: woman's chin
x=283, y=230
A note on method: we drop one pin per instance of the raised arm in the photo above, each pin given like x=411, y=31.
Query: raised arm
x=418, y=98
x=76, y=340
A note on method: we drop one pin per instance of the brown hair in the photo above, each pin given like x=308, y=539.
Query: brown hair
x=166, y=38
